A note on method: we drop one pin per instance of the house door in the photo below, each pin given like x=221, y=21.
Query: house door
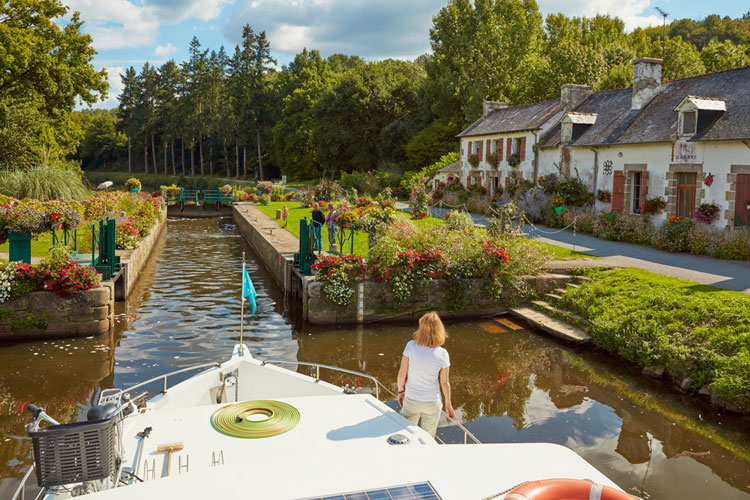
x=685, y=194
x=742, y=201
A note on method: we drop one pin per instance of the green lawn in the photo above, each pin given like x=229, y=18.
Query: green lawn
x=296, y=214
x=560, y=253
x=683, y=326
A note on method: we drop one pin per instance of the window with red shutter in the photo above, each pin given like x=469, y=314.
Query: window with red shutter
x=522, y=149
x=500, y=149
x=508, y=147
x=481, y=149
x=488, y=148
x=618, y=191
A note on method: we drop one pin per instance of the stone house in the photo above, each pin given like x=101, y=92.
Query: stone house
x=687, y=141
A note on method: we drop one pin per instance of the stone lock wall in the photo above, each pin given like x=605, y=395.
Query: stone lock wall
x=377, y=303
x=43, y=314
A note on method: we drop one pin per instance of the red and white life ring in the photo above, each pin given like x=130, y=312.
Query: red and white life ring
x=566, y=489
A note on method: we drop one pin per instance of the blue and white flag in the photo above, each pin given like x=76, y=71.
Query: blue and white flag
x=248, y=290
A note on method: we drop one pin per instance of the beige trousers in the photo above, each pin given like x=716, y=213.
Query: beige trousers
x=427, y=411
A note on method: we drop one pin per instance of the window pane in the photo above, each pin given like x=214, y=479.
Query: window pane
x=688, y=122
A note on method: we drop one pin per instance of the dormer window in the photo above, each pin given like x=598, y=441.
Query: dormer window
x=697, y=114
x=689, y=122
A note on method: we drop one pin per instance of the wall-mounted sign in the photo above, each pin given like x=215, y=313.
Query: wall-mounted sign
x=684, y=152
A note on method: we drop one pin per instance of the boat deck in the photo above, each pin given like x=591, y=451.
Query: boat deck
x=460, y=472
x=326, y=423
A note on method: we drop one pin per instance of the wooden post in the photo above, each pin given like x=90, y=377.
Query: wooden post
x=130, y=164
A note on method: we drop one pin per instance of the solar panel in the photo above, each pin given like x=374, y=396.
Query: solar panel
x=416, y=491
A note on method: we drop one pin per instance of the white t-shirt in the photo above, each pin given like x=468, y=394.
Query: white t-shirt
x=422, y=380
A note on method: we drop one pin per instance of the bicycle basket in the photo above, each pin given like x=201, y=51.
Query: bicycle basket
x=76, y=452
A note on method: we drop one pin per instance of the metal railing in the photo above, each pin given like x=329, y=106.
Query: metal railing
x=378, y=384
x=214, y=364
x=20, y=493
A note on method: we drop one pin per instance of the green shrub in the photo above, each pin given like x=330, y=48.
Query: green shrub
x=42, y=182
x=732, y=245
x=458, y=220
x=575, y=192
x=478, y=204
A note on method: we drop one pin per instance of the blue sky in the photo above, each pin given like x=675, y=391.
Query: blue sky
x=131, y=32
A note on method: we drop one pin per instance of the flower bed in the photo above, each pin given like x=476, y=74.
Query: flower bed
x=676, y=235
x=57, y=274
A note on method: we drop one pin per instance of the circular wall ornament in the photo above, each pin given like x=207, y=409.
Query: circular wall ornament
x=608, y=167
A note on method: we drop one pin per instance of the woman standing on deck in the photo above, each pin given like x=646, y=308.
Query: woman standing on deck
x=423, y=373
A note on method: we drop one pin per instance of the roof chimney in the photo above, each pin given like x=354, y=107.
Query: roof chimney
x=572, y=95
x=646, y=80
x=490, y=106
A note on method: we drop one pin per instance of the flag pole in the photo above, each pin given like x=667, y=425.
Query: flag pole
x=242, y=303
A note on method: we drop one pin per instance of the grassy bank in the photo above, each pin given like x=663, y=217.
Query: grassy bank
x=689, y=329
x=296, y=214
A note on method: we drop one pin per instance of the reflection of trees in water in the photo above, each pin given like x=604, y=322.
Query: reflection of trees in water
x=496, y=385
x=61, y=378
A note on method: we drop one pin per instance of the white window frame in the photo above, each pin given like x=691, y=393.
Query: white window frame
x=682, y=122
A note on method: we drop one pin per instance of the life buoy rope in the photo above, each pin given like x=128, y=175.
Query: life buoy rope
x=562, y=489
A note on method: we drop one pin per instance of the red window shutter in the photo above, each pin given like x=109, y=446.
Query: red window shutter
x=644, y=191
x=488, y=148
x=508, y=147
x=480, y=149
x=522, y=152
x=500, y=149
x=507, y=182
x=618, y=191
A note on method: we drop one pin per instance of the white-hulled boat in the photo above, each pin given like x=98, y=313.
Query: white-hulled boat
x=246, y=428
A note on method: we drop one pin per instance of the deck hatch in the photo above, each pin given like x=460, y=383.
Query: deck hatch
x=415, y=491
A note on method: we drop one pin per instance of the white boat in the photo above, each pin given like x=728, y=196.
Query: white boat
x=343, y=445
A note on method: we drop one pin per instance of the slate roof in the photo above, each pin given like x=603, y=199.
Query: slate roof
x=514, y=119
x=452, y=168
x=616, y=123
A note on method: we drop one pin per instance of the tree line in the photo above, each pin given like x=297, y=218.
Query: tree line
x=235, y=113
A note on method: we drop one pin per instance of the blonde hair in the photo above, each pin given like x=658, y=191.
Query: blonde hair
x=431, y=332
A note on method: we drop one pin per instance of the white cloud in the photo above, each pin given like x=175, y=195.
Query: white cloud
x=377, y=29
x=634, y=13
x=116, y=24
x=165, y=50
x=373, y=29
x=114, y=77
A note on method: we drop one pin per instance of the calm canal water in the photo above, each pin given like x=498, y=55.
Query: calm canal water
x=509, y=386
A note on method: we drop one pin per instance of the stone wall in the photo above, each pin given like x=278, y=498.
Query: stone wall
x=273, y=244
x=376, y=301
x=43, y=314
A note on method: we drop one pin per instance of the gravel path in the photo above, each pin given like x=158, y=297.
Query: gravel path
x=727, y=274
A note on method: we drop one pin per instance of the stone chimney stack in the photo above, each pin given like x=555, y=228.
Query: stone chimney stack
x=490, y=106
x=572, y=95
x=646, y=80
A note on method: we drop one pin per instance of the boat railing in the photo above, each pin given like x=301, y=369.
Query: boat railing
x=165, y=376
x=20, y=493
x=378, y=384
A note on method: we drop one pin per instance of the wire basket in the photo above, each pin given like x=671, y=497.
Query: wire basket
x=76, y=452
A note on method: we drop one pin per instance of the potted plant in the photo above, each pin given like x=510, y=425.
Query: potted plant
x=654, y=205
x=514, y=160
x=707, y=213
x=557, y=204
x=265, y=199
x=494, y=160
x=133, y=184
x=604, y=195
x=226, y=189
x=347, y=219
x=474, y=160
